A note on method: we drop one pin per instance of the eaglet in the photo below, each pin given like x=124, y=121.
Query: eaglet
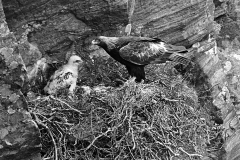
x=65, y=77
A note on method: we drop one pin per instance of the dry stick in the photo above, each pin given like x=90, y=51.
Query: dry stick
x=190, y=155
x=67, y=105
x=169, y=148
x=54, y=143
x=130, y=151
x=163, y=144
x=116, y=158
x=50, y=133
x=97, y=138
x=37, y=99
x=64, y=146
x=131, y=129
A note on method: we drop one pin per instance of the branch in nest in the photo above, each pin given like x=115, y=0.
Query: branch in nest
x=190, y=155
x=67, y=105
x=97, y=138
x=49, y=131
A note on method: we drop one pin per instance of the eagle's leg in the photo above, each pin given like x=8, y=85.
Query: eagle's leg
x=137, y=71
x=129, y=70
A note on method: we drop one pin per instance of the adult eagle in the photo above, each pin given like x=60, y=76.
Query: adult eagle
x=137, y=52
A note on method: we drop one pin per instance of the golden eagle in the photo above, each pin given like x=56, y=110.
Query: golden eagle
x=137, y=52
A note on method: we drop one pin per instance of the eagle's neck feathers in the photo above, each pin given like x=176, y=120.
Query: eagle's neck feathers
x=114, y=42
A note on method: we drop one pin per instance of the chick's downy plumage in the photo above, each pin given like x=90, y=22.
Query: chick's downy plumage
x=65, y=77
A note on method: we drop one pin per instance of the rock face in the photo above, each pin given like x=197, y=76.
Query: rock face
x=221, y=64
x=55, y=26
x=51, y=28
x=19, y=135
x=179, y=22
x=223, y=68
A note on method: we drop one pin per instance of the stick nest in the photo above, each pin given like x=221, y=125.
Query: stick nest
x=133, y=121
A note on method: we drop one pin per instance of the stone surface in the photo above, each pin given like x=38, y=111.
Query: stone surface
x=183, y=22
x=19, y=135
x=58, y=26
x=224, y=76
x=66, y=21
x=220, y=7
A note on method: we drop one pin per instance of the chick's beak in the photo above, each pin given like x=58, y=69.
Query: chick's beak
x=79, y=61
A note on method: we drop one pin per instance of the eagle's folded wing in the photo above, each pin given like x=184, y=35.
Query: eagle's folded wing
x=175, y=49
x=143, y=53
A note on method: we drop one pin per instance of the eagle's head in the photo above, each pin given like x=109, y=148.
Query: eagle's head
x=106, y=43
x=75, y=60
x=100, y=41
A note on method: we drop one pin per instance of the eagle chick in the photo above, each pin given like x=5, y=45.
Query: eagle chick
x=66, y=76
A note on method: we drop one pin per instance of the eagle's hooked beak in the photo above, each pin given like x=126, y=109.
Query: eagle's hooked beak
x=79, y=61
x=95, y=42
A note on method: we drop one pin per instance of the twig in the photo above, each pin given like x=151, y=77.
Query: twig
x=190, y=155
x=171, y=100
x=100, y=135
x=169, y=148
x=67, y=105
x=38, y=98
x=50, y=133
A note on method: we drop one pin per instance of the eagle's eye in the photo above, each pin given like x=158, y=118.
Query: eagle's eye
x=77, y=61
